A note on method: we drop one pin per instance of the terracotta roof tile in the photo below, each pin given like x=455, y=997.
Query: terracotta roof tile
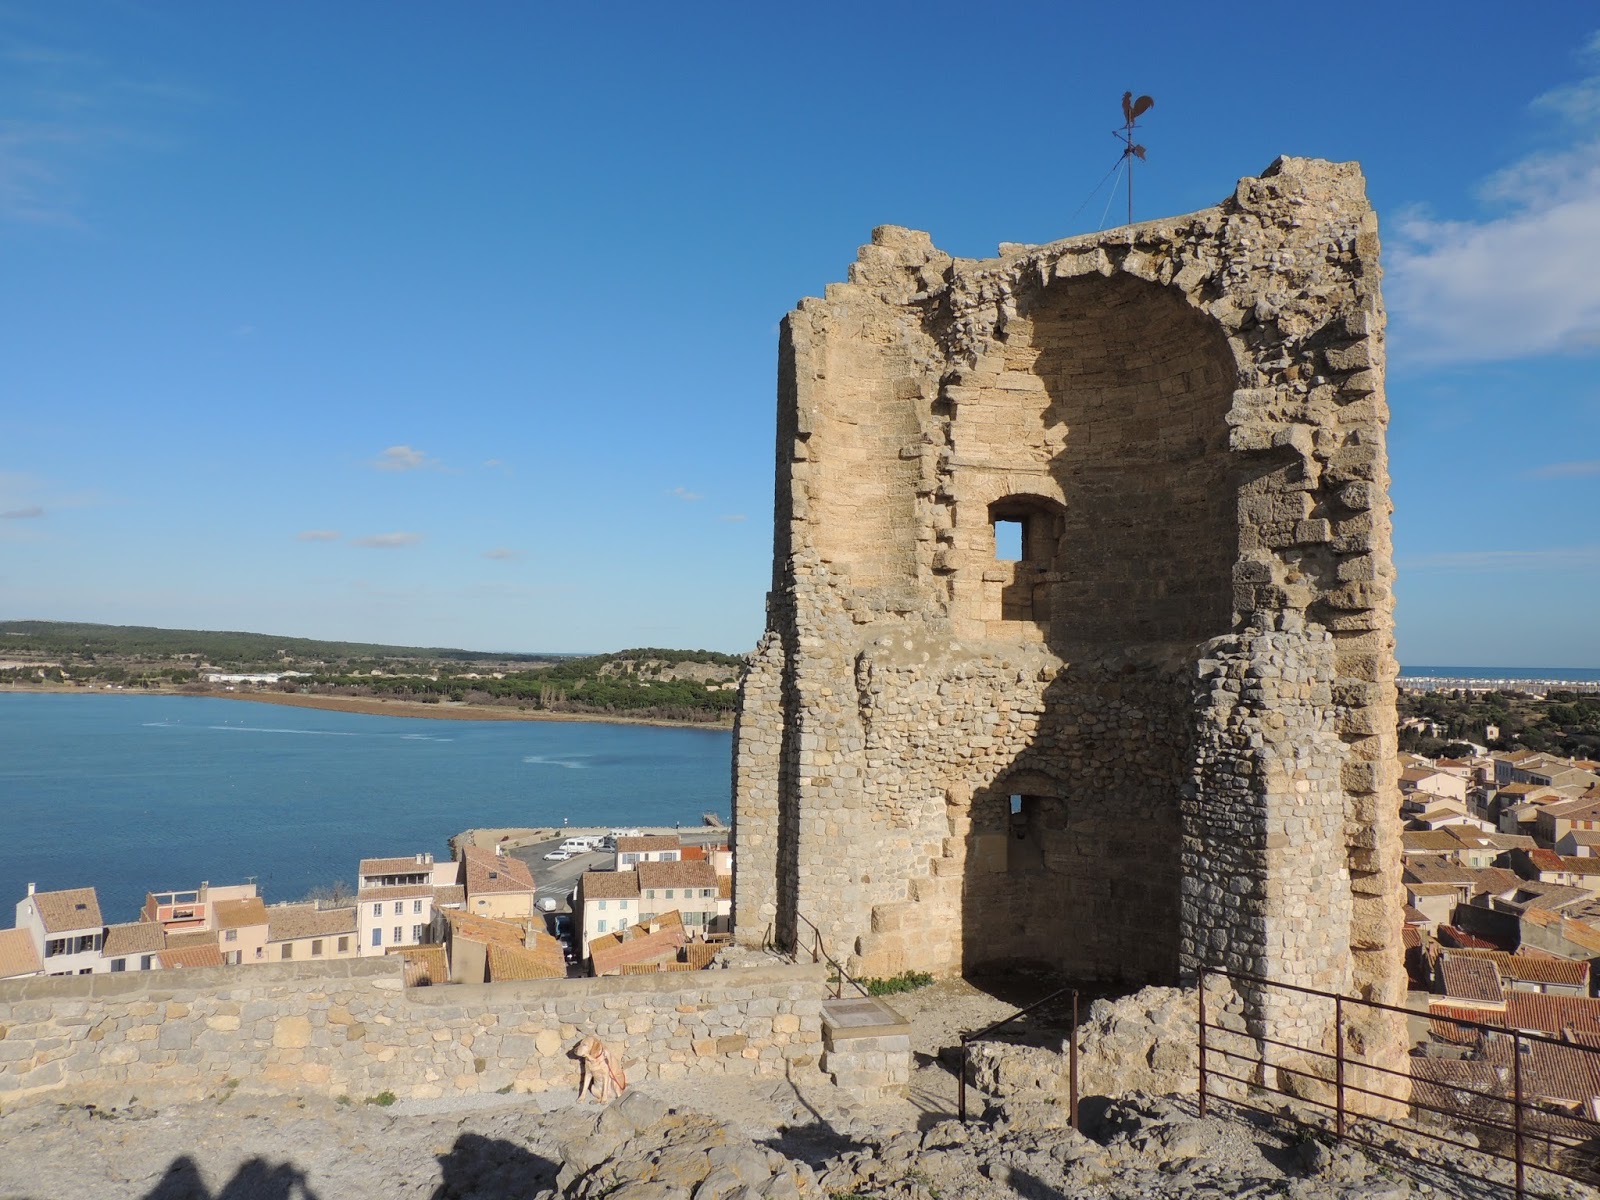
x=425, y=966
x=651, y=843
x=190, y=956
x=238, y=914
x=608, y=885
x=543, y=960
x=1530, y=968
x=406, y=865
x=1470, y=979
x=135, y=937
x=488, y=872
x=489, y=930
x=17, y=954
x=677, y=875
x=1553, y=1014
x=62, y=912
x=450, y=893
x=408, y=891
x=291, y=922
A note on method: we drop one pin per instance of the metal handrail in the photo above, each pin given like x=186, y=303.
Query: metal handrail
x=1518, y=1103
x=1072, y=1053
x=819, y=953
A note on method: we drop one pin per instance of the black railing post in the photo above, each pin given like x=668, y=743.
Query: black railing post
x=1072, y=1066
x=1338, y=1066
x=1202, y=994
x=961, y=1084
x=1516, y=1112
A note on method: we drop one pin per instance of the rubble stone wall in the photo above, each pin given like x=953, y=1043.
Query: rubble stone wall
x=1161, y=738
x=350, y=1028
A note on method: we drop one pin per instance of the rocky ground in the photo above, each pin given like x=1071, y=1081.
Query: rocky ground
x=723, y=1140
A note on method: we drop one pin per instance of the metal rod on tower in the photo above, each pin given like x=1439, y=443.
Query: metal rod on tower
x=1132, y=110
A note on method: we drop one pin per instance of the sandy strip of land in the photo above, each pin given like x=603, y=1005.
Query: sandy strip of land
x=445, y=710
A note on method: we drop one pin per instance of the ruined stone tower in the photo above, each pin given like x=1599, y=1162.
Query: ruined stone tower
x=1159, y=733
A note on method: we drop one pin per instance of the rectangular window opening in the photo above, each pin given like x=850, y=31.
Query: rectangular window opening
x=1008, y=538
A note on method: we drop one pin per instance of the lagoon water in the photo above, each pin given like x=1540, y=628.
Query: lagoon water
x=133, y=793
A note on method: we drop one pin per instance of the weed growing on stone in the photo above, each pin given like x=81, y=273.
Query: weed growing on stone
x=383, y=1099
x=906, y=981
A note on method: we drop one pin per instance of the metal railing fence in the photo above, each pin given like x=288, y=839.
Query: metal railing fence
x=1072, y=1052
x=1513, y=1121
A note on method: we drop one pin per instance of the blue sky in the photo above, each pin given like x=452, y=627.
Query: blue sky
x=456, y=325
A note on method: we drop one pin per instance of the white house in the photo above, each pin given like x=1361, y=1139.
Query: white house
x=66, y=930
x=631, y=851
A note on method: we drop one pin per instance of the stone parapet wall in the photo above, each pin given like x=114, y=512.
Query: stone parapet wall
x=351, y=1028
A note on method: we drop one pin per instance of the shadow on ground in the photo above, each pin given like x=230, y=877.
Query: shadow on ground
x=474, y=1166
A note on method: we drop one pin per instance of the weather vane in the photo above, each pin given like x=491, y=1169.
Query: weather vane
x=1132, y=110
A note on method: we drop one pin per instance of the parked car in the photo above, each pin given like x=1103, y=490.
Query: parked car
x=558, y=856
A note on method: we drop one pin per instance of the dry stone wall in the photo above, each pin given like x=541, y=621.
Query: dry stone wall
x=1163, y=736
x=351, y=1029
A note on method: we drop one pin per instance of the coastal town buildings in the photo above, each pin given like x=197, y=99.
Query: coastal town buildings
x=65, y=929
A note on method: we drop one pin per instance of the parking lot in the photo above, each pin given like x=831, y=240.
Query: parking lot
x=556, y=880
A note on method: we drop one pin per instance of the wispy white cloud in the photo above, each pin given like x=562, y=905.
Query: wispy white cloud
x=1519, y=283
x=318, y=535
x=68, y=113
x=1557, y=558
x=387, y=541
x=22, y=514
x=502, y=554
x=492, y=464
x=683, y=493
x=1566, y=470
x=403, y=458
x=733, y=518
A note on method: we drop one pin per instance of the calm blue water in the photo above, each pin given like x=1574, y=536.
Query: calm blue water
x=132, y=794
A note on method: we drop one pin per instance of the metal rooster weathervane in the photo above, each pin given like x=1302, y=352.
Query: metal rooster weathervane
x=1132, y=110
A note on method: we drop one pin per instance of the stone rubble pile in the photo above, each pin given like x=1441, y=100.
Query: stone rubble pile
x=638, y=1149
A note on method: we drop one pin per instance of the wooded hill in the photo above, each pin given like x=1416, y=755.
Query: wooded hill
x=230, y=649
x=652, y=682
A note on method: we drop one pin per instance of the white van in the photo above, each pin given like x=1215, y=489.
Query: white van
x=579, y=845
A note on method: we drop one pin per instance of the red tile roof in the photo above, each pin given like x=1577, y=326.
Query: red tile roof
x=1530, y=968
x=648, y=844
x=608, y=885
x=134, y=937
x=424, y=965
x=17, y=954
x=65, y=911
x=677, y=875
x=191, y=956
x=239, y=914
x=1553, y=1014
x=1470, y=979
x=488, y=872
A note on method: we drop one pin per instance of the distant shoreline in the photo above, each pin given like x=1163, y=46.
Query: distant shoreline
x=445, y=710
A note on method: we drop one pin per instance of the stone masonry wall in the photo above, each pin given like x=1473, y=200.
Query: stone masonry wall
x=1186, y=418
x=350, y=1028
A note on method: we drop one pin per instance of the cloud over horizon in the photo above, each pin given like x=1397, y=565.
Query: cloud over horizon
x=22, y=514
x=387, y=541
x=1555, y=558
x=403, y=458
x=1566, y=470
x=502, y=554
x=683, y=493
x=318, y=535
x=1522, y=283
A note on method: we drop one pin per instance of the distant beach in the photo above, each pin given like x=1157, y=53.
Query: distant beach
x=444, y=710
